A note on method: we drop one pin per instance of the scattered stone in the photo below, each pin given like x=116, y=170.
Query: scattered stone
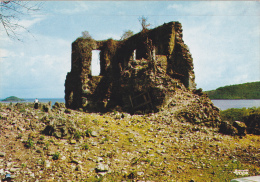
x=12, y=170
x=73, y=141
x=118, y=116
x=78, y=168
x=9, y=164
x=94, y=143
x=241, y=127
x=2, y=172
x=100, y=159
x=102, y=173
x=102, y=167
x=47, y=163
x=152, y=134
x=94, y=134
x=20, y=128
x=2, y=154
x=241, y=172
x=140, y=173
x=60, y=128
x=75, y=161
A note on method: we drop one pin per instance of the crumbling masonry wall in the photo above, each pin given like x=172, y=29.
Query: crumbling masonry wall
x=149, y=65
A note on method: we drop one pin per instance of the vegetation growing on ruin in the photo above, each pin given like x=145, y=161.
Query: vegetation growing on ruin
x=127, y=34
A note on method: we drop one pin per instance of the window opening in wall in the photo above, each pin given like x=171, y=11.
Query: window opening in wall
x=95, y=63
x=134, y=55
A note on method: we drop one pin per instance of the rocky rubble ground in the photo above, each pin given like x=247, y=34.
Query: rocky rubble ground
x=59, y=144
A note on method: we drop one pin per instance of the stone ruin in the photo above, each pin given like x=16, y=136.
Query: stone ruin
x=139, y=73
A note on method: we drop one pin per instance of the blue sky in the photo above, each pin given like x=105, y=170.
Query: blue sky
x=223, y=38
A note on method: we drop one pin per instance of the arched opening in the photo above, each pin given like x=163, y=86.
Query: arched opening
x=95, y=63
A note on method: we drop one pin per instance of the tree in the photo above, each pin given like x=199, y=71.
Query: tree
x=144, y=24
x=86, y=35
x=127, y=34
x=10, y=13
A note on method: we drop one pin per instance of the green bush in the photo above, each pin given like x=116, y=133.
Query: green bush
x=20, y=135
x=235, y=114
x=88, y=132
x=56, y=156
x=29, y=143
x=51, y=140
x=77, y=135
x=85, y=146
x=46, y=147
x=41, y=137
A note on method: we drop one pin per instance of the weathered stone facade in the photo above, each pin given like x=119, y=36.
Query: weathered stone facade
x=141, y=72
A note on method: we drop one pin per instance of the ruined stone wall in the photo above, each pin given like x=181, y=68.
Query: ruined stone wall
x=158, y=50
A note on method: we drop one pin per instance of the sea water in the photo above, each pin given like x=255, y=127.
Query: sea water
x=41, y=100
x=240, y=103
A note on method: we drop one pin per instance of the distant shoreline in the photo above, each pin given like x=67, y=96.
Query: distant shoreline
x=41, y=100
x=35, y=98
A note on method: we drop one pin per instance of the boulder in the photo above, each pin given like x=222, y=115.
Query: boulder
x=46, y=107
x=94, y=134
x=226, y=128
x=2, y=154
x=102, y=167
x=73, y=142
x=241, y=127
x=67, y=111
x=253, y=124
x=58, y=105
x=60, y=128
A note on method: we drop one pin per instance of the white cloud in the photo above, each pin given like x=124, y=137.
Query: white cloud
x=77, y=7
x=226, y=52
x=175, y=6
x=27, y=23
x=35, y=65
x=3, y=54
x=216, y=8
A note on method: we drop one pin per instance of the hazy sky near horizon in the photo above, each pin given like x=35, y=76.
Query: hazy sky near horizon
x=223, y=38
